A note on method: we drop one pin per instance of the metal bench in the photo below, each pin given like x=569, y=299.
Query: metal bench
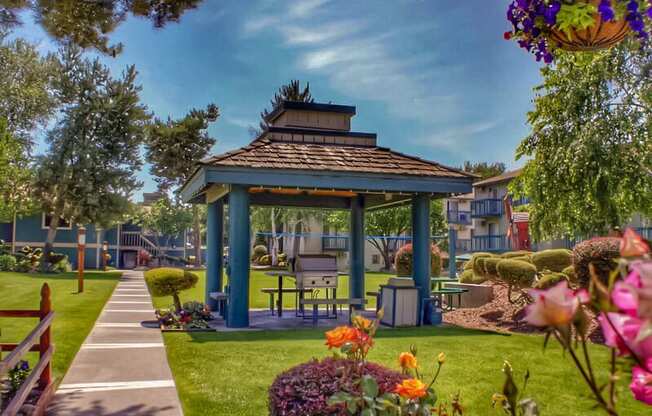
x=331, y=302
x=449, y=293
x=221, y=299
x=271, y=291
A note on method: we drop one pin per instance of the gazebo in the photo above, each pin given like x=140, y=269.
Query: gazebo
x=309, y=157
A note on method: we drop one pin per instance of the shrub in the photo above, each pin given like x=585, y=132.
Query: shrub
x=28, y=259
x=403, y=261
x=167, y=281
x=467, y=276
x=282, y=257
x=570, y=273
x=601, y=252
x=477, y=269
x=468, y=265
x=519, y=253
x=490, y=264
x=554, y=260
x=305, y=389
x=259, y=251
x=4, y=248
x=265, y=260
x=62, y=266
x=549, y=280
x=7, y=263
x=516, y=273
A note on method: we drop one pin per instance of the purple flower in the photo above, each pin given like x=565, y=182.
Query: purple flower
x=632, y=6
x=649, y=10
x=24, y=365
x=547, y=57
x=606, y=11
x=550, y=13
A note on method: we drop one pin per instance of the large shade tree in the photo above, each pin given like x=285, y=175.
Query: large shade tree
x=89, y=171
x=87, y=24
x=589, y=154
x=165, y=219
x=16, y=175
x=484, y=170
x=27, y=98
x=173, y=147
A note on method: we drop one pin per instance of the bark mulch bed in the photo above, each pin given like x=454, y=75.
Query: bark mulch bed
x=501, y=316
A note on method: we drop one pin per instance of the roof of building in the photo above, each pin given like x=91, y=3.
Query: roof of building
x=504, y=177
x=271, y=153
x=299, y=105
x=463, y=196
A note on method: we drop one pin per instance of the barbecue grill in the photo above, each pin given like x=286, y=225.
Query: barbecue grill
x=316, y=272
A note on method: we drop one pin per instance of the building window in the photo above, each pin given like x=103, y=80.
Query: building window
x=375, y=259
x=63, y=223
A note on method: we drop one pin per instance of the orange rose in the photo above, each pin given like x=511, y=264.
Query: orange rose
x=362, y=323
x=411, y=388
x=339, y=336
x=407, y=360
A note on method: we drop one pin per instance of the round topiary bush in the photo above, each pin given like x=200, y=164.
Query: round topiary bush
x=478, y=269
x=478, y=266
x=305, y=389
x=168, y=281
x=549, y=280
x=516, y=273
x=602, y=252
x=554, y=260
x=403, y=261
x=258, y=252
x=265, y=260
x=490, y=264
x=7, y=263
x=468, y=265
x=468, y=277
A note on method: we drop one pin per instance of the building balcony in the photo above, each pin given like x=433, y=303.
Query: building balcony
x=335, y=243
x=491, y=243
x=490, y=207
x=463, y=246
x=458, y=217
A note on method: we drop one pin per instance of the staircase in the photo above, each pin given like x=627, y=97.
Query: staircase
x=135, y=240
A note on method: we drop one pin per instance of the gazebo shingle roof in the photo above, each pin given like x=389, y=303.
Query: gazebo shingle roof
x=264, y=153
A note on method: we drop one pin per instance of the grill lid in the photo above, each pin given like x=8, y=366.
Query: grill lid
x=316, y=262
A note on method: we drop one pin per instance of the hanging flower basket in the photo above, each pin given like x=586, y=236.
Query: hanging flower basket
x=544, y=26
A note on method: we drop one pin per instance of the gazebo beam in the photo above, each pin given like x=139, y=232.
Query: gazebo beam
x=214, y=239
x=238, y=268
x=356, y=249
x=421, y=249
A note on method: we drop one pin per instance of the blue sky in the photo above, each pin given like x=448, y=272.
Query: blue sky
x=431, y=78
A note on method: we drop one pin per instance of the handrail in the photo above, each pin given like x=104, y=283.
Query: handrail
x=37, y=340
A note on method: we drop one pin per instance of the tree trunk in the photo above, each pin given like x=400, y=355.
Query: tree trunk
x=197, y=235
x=49, y=241
x=296, y=243
x=177, y=301
x=385, y=254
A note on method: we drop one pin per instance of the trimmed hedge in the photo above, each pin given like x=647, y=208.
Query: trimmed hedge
x=7, y=263
x=570, y=273
x=168, y=281
x=477, y=269
x=467, y=276
x=602, y=252
x=516, y=273
x=554, y=260
x=258, y=252
x=490, y=266
x=265, y=260
x=403, y=261
x=519, y=253
x=549, y=280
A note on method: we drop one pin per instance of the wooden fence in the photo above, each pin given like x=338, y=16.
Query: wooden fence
x=37, y=340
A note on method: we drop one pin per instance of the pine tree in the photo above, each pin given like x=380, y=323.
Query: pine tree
x=289, y=92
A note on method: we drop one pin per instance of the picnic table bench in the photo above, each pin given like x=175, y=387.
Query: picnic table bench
x=331, y=302
x=449, y=293
x=271, y=291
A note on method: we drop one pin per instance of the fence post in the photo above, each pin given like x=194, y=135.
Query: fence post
x=44, y=344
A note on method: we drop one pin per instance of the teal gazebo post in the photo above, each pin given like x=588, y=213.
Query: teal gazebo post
x=238, y=270
x=452, y=242
x=421, y=251
x=214, y=250
x=356, y=250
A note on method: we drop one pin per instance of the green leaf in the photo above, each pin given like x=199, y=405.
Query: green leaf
x=369, y=386
x=352, y=405
x=368, y=412
x=338, y=398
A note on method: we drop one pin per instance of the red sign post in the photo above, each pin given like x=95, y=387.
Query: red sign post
x=81, y=248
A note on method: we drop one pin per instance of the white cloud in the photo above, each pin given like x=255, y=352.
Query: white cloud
x=305, y=8
x=457, y=140
x=240, y=122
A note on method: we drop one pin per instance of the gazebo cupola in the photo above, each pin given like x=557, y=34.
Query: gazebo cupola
x=309, y=157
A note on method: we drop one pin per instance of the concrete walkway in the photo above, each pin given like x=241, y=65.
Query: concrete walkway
x=121, y=369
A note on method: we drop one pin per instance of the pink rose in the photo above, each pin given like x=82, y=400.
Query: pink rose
x=633, y=295
x=641, y=385
x=627, y=335
x=552, y=307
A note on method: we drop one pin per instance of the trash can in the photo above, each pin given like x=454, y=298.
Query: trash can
x=400, y=299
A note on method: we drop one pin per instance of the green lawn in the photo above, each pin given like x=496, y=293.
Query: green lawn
x=75, y=313
x=259, y=280
x=229, y=373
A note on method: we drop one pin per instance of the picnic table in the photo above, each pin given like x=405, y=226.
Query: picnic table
x=281, y=274
x=438, y=282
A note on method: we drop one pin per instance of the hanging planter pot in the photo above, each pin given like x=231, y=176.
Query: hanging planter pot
x=602, y=34
x=545, y=26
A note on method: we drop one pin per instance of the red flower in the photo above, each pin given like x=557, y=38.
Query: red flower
x=507, y=35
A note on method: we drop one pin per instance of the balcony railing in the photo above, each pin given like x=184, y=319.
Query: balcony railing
x=491, y=243
x=463, y=246
x=491, y=207
x=459, y=217
x=335, y=243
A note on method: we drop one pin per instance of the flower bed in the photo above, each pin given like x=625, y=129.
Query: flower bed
x=192, y=317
